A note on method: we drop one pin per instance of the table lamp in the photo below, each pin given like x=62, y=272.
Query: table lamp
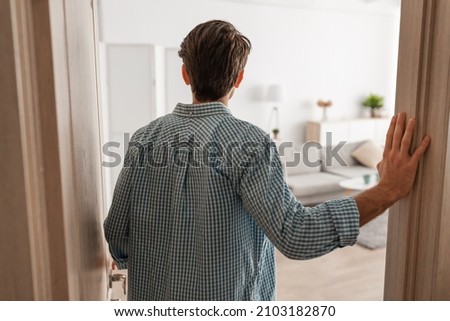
x=276, y=94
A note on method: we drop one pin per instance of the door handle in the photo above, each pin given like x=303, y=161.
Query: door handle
x=118, y=278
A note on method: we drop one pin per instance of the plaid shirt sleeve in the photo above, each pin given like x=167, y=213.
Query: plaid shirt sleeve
x=298, y=232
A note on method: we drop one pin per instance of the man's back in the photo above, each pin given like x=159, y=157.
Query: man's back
x=200, y=195
x=190, y=237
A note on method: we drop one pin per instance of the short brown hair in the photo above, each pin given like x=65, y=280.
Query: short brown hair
x=214, y=53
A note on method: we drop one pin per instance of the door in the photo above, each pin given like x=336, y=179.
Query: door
x=75, y=69
x=128, y=103
x=128, y=92
x=53, y=191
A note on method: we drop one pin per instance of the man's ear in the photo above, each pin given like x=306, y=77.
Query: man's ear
x=239, y=79
x=185, y=75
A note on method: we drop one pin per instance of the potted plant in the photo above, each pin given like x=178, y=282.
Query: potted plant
x=275, y=133
x=374, y=102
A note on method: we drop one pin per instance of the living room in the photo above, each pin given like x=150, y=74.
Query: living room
x=335, y=52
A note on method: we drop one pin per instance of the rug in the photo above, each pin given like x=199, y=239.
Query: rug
x=373, y=235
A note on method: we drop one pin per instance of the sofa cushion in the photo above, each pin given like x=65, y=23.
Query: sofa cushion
x=350, y=171
x=314, y=183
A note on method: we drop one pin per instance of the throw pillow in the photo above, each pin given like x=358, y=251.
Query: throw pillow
x=369, y=154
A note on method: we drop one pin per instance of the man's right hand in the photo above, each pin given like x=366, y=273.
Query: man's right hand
x=397, y=169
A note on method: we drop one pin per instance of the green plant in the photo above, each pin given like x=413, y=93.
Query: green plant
x=275, y=132
x=374, y=101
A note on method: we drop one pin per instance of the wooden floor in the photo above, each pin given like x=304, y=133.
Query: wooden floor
x=351, y=273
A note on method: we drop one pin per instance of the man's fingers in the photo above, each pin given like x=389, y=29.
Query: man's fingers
x=399, y=130
x=390, y=135
x=407, y=137
x=417, y=156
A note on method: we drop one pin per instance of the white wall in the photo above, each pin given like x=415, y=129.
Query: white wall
x=340, y=55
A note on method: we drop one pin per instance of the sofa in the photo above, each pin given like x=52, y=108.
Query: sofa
x=312, y=179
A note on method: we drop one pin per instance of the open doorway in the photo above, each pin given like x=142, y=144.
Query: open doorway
x=341, y=52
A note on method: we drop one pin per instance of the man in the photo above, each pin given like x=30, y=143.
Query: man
x=201, y=201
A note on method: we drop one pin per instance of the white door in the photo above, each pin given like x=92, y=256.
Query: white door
x=128, y=90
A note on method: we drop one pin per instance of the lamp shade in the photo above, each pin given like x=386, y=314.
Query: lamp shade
x=276, y=93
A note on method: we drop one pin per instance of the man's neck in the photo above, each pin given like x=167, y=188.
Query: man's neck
x=223, y=100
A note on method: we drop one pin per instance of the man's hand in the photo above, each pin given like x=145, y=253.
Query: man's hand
x=397, y=170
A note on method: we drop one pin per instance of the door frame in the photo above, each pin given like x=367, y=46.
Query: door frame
x=417, y=261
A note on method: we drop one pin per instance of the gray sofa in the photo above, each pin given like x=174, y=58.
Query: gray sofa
x=316, y=184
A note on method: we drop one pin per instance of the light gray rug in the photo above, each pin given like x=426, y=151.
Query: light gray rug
x=373, y=235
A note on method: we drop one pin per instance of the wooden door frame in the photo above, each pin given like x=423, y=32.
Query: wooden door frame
x=417, y=261
x=39, y=186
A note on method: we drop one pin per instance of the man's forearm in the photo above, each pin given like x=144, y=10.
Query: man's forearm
x=373, y=202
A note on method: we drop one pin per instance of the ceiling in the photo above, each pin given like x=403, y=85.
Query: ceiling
x=366, y=6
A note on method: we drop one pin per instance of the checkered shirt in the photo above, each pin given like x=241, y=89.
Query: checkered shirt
x=200, y=204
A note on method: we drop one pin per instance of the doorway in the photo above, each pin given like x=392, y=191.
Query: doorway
x=343, y=62
x=52, y=197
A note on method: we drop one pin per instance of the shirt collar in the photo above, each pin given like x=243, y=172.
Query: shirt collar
x=199, y=110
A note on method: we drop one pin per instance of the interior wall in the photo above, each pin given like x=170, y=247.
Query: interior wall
x=341, y=55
